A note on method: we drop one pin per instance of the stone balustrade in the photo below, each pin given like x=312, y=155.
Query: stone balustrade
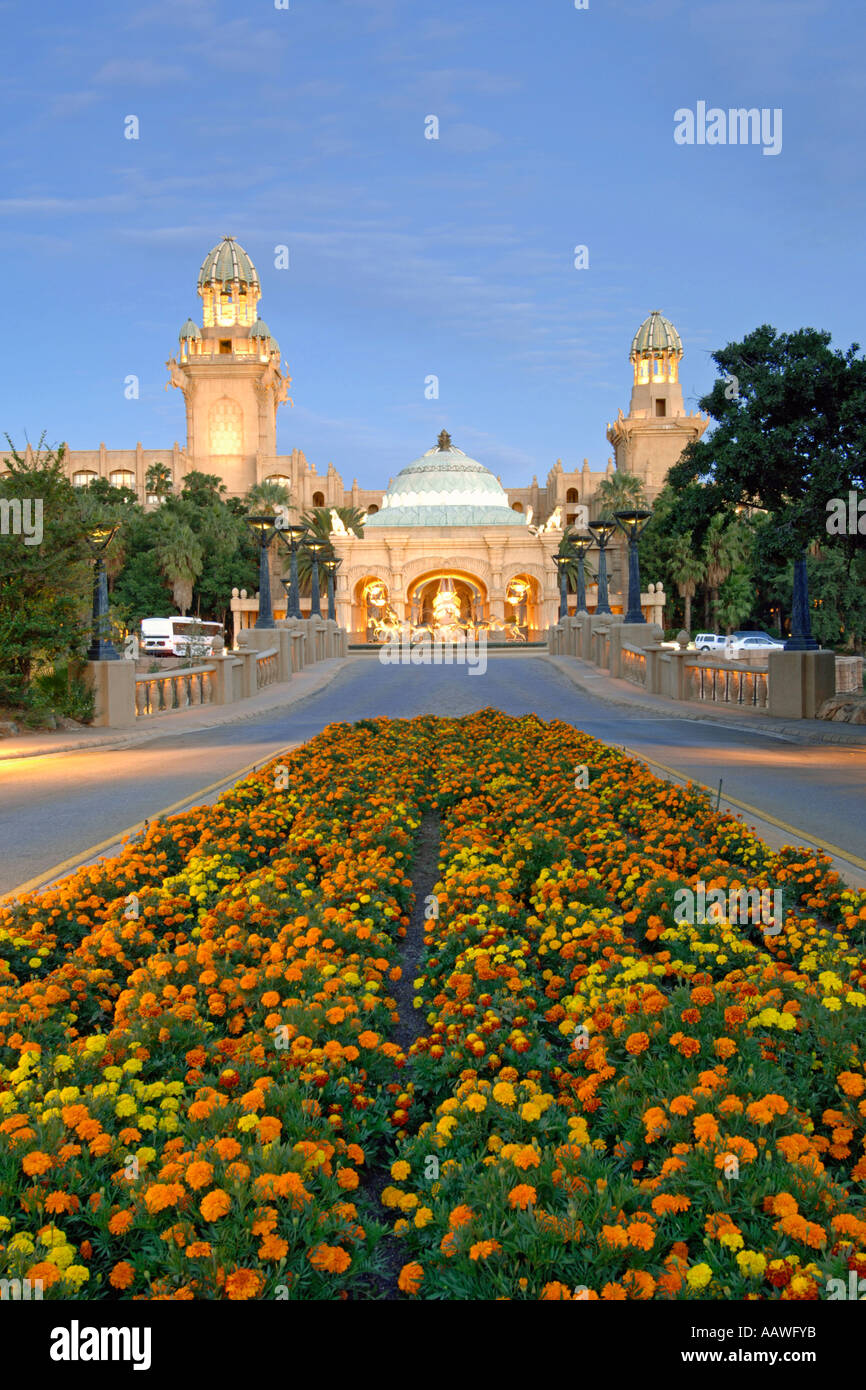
x=265, y=657
x=789, y=685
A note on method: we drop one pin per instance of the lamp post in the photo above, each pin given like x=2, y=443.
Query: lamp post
x=632, y=523
x=330, y=566
x=562, y=562
x=266, y=530
x=314, y=548
x=601, y=532
x=293, y=595
x=801, y=639
x=101, y=647
x=580, y=545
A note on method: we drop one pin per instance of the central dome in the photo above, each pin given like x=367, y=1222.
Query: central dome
x=444, y=487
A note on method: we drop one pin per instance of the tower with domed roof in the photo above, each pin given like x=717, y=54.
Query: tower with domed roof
x=649, y=440
x=229, y=372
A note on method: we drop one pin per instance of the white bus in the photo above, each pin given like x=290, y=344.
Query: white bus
x=179, y=637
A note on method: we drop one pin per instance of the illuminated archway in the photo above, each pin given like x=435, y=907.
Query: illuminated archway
x=447, y=601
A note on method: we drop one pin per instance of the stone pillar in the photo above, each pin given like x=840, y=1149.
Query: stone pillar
x=113, y=686
x=800, y=682
x=223, y=680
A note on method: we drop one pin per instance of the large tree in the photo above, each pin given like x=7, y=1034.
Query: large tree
x=45, y=570
x=790, y=430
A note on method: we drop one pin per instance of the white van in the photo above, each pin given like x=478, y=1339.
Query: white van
x=179, y=637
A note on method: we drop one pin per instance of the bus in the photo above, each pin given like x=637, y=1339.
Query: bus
x=179, y=637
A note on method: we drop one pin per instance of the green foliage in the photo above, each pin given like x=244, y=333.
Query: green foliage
x=618, y=492
x=45, y=588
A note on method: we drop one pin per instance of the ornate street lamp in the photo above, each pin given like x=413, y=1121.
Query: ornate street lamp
x=562, y=563
x=801, y=639
x=579, y=546
x=632, y=523
x=314, y=548
x=101, y=647
x=601, y=532
x=266, y=529
x=291, y=537
x=330, y=566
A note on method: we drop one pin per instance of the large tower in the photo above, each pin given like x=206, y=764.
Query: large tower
x=229, y=372
x=649, y=440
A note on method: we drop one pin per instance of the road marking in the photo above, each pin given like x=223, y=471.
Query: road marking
x=84, y=857
x=804, y=835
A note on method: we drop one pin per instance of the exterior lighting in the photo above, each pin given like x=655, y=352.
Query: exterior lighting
x=632, y=524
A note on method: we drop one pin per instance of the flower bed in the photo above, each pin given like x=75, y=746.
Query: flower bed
x=199, y=1083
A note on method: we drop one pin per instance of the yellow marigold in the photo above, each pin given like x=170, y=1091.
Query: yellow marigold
x=400, y=1170
x=699, y=1276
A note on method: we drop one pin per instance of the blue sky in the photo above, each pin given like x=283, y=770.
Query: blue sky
x=412, y=257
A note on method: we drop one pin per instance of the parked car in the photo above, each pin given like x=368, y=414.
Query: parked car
x=741, y=643
x=709, y=642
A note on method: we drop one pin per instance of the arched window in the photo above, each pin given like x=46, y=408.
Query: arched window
x=282, y=479
x=571, y=495
x=122, y=477
x=82, y=478
x=318, y=499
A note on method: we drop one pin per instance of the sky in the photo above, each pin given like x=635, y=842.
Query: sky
x=412, y=257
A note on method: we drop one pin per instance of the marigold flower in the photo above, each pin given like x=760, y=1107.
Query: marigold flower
x=410, y=1278
x=122, y=1275
x=215, y=1204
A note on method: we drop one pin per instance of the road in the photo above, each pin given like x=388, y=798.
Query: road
x=55, y=807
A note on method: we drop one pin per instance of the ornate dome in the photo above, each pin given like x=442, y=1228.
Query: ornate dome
x=189, y=330
x=444, y=487
x=260, y=329
x=227, y=262
x=656, y=334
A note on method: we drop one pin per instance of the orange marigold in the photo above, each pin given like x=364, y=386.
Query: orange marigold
x=215, y=1205
x=122, y=1275
x=410, y=1278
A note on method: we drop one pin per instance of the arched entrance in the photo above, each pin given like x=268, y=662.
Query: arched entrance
x=373, y=617
x=522, y=608
x=447, y=602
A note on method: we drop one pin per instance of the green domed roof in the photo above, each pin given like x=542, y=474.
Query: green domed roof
x=190, y=330
x=444, y=487
x=227, y=261
x=260, y=329
x=656, y=334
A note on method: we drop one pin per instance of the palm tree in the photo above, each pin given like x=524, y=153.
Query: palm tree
x=319, y=524
x=726, y=547
x=687, y=572
x=265, y=497
x=180, y=559
x=618, y=492
x=157, y=481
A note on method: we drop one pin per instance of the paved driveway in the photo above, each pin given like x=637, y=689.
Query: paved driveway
x=56, y=807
